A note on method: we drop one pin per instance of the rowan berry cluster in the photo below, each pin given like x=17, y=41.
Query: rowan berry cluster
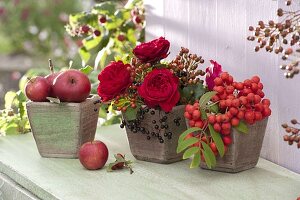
x=280, y=37
x=292, y=135
x=185, y=67
x=237, y=101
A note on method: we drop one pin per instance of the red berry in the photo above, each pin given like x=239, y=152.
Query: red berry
x=225, y=118
x=266, y=102
x=222, y=104
x=260, y=86
x=226, y=126
x=250, y=97
x=218, y=81
x=236, y=103
x=260, y=93
x=229, y=89
x=240, y=115
x=227, y=140
x=102, y=19
x=257, y=98
x=137, y=20
x=215, y=98
x=258, y=116
x=223, y=96
x=254, y=87
x=204, y=139
x=239, y=86
x=121, y=37
x=224, y=76
x=258, y=107
x=187, y=115
x=211, y=119
x=219, y=118
x=217, y=127
x=247, y=83
x=267, y=112
x=191, y=123
x=246, y=91
x=229, y=115
x=225, y=131
x=196, y=114
x=249, y=115
x=233, y=111
x=199, y=124
x=219, y=89
x=229, y=80
x=189, y=108
x=213, y=147
x=228, y=102
x=255, y=79
x=243, y=100
x=235, y=121
x=97, y=33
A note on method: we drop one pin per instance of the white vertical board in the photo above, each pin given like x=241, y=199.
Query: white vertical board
x=154, y=18
x=217, y=29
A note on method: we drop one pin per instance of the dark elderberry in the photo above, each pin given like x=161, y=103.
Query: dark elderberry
x=134, y=130
x=165, y=118
x=156, y=135
x=166, y=134
x=159, y=137
x=156, y=127
x=130, y=126
x=152, y=112
x=147, y=132
x=162, y=127
x=141, y=117
x=169, y=137
x=121, y=125
x=166, y=126
x=178, y=118
x=178, y=124
x=138, y=128
x=169, y=133
x=176, y=121
x=142, y=128
x=153, y=122
x=152, y=133
x=161, y=141
x=148, y=137
x=160, y=120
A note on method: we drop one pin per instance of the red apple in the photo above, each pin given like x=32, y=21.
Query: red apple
x=71, y=86
x=93, y=155
x=37, y=89
x=50, y=78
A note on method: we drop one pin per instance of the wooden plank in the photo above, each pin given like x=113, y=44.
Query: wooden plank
x=50, y=178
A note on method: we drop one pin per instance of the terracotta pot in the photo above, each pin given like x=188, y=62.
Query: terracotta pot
x=146, y=145
x=244, y=151
x=59, y=130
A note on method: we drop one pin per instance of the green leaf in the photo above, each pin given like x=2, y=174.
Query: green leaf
x=105, y=8
x=131, y=113
x=21, y=96
x=113, y=120
x=214, y=108
x=189, y=152
x=205, y=98
x=242, y=127
x=217, y=139
x=199, y=91
x=9, y=99
x=103, y=111
x=84, y=54
x=186, y=143
x=11, y=129
x=209, y=155
x=86, y=70
x=186, y=132
x=203, y=114
x=196, y=160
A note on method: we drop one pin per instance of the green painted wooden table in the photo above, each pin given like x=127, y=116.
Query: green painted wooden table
x=66, y=179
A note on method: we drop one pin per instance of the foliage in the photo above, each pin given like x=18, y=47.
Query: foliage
x=107, y=31
x=37, y=29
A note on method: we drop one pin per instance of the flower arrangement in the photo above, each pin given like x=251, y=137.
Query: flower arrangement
x=146, y=82
x=226, y=104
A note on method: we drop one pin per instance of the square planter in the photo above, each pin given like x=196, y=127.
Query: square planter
x=155, y=139
x=244, y=151
x=60, y=129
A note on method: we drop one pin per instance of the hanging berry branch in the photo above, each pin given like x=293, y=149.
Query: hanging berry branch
x=281, y=38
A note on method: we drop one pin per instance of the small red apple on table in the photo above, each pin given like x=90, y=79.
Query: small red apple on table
x=93, y=155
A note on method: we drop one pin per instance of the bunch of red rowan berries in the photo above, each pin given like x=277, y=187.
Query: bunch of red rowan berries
x=281, y=37
x=292, y=135
x=237, y=101
x=185, y=67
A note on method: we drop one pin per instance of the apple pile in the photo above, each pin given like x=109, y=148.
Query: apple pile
x=68, y=86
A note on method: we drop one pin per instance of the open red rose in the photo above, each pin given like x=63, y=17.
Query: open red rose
x=152, y=51
x=114, y=80
x=160, y=88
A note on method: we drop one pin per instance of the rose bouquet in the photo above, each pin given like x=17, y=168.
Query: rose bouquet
x=144, y=81
x=226, y=105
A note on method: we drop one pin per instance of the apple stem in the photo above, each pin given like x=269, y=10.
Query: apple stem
x=70, y=64
x=29, y=79
x=51, y=66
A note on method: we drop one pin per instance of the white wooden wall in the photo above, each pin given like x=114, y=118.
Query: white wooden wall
x=217, y=29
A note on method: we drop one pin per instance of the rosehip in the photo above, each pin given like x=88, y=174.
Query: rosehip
x=227, y=140
x=233, y=111
x=211, y=119
x=191, y=123
x=218, y=81
x=187, y=115
x=196, y=114
x=235, y=121
x=217, y=127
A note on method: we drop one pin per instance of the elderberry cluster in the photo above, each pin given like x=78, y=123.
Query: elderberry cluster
x=160, y=128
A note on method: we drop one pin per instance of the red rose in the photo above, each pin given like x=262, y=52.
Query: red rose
x=114, y=80
x=160, y=87
x=152, y=51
